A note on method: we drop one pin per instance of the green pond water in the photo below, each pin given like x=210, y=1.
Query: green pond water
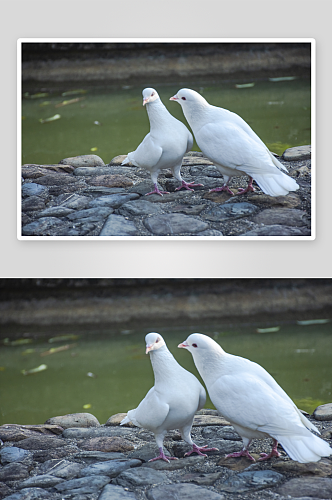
x=112, y=121
x=107, y=372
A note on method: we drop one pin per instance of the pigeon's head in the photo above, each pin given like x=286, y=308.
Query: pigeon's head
x=186, y=97
x=149, y=95
x=153, y=342
x=197, y=343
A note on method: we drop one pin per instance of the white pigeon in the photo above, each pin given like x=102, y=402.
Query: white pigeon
x=164, y=146
x=173, y=400
x=246, y=395
x=234, y=148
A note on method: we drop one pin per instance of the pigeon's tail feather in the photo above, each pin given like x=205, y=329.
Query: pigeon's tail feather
x=126, y=420
x=278, y=163
x=305, y=449
x=126, y=161
x=276, y=184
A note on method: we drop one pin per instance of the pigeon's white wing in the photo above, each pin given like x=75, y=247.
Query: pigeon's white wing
x=249, y=402
x=152, y=411
x=147, y=154
x=230, y=146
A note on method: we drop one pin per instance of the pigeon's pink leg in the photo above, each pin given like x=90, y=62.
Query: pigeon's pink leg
x=223, y=188
x=162, y=456
x=199, y=449
x=274, y=452
x=157, y=191
x=248, y=188
x=188, y=185
x=242, y=453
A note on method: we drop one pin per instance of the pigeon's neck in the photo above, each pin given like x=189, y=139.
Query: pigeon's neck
x=164, y=365
x=158, y=114
x=196, y=115
x=207, y=365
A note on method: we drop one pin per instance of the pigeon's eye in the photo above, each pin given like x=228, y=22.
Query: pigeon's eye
x=194, y=345
x=183, y=98
x=157, y=340
x=152, y=94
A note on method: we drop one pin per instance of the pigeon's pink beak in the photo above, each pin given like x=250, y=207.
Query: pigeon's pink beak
x=184, y=344
x=148, y=348
x=145, y=101
x=174, y=98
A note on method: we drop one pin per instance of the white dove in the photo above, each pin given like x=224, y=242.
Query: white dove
x=231, y=144
x=246, y=395
x=173, y=400
x=164, y=146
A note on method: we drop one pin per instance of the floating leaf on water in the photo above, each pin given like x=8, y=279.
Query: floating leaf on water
x=92, y=375
x=70, y=101
x=61, y=338
x=17, y=342
x=276, y=102
x=54, y=350
x=39, y=95
x=313, y=322
x=45, y=103
x=28, y=351
x=244, y=85
x=94, y=149
x=2, y=368
x=51, y=119
x=268, y=330
x=39, y=368
x=87, y=406
x=305, y=350
x=96, y=122
x=282, y=78
x=73, y=92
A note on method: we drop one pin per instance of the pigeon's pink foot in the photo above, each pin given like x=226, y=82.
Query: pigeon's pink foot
x=162, y=456
x=188, y=186
x=242, y=453
x=157, y=191
x=248, y=188
x=274, y=453
x=199, y=449
x=223, y=188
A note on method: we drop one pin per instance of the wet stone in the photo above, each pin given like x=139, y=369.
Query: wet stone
x=90, y=214
x=107, y=444
x=319, y=487
x=182, y=491
x=42, y=226
x=14, y=472
x=33, y=189
x=95, y=456
x=111, y=468
x=31, y=494
x=74, y=420
x=230, y=211
x=251, y=481
x=55, y=212
x=5, y=491
x=323, y=412
x=117, y=225
x=171, y=224
x=140, y=477
x=40, y=443
x=60, y=468
x=33, y=203
x=13, y=454
x=43, y=481
x=139, y=207
x=114, y=492
x=113, y=200
x=83, y=161
x=74, y=201
x=83, y=485
x=181, y=463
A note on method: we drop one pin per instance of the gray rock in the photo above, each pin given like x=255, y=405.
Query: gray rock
x=140, y=477
x=139, y=207
x=117, y=225
x=83, y=485
x=60, y=468
x=10, y=454
x=226, y=432
x=297, y=153
x=147, y=451
x=90, y=214
x=172, y=224
x=41, y=227
x=14, y=472
x=323, y=412
x=209, y=171
x=201, y=479
x=251, y=481
x=230, y=211
x=101, y=456
x=5, y=491
x=83, y=161
x=113, y=200
x=113, y=492
x=41, y=443
x=77, y=420
x=319, y=487
x=111, y=468
x=30, y=494
x=182, y=491
x=73, y=200
x=283, y=216
x=278, y=230
x=82, y=433
x=89, y=171
x=32, y=204
x=181, y=463
x=102, y=190
x=56, y=180
x=209, y=232
x=33, y=189
x=55, y=212
x=56, y=453
x=43, y=481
